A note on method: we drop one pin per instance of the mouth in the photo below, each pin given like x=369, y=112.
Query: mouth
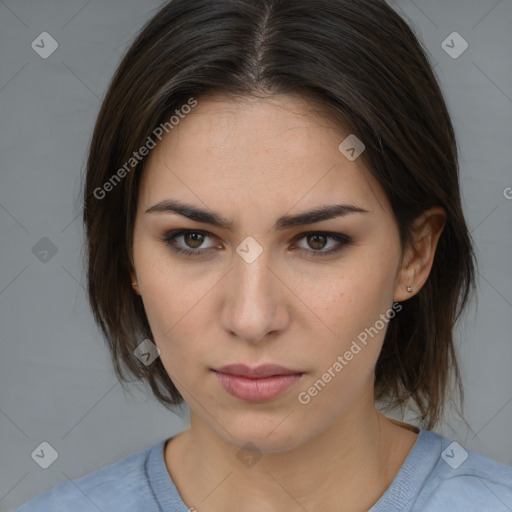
x=257, y=384
x=265, y=370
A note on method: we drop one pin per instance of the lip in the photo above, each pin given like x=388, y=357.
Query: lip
x=264, y=370
x=258, y=384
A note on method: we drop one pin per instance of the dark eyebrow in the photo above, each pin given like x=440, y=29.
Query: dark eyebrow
x=284, y=222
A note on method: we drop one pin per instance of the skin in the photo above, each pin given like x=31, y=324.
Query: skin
x=252, y=161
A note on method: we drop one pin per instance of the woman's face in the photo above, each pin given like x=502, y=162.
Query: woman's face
x=263, y=289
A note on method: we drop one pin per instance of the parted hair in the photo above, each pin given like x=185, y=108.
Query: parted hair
x=358, y=59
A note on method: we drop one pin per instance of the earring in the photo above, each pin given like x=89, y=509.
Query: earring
x=410, y=289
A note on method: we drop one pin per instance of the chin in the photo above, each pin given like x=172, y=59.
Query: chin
x=266, y=435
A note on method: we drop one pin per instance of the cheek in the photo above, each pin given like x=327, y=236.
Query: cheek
x=170, y=293
x=345, y=361
x=173, y=314
x=174, y=304
x=356, y=305
x=355, y=299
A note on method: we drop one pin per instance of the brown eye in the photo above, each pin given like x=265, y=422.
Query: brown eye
x=318, y=244
x=190, y=243
x=317, y=241
x=193, y=240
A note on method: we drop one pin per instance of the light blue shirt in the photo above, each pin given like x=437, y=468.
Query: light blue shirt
x=436, y=476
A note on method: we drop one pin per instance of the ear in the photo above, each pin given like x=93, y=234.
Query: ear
x=418, y=258
x=133, y=278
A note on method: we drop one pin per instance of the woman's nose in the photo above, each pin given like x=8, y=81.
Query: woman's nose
x=255, y=299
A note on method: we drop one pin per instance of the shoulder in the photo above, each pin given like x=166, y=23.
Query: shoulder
x=462, y=479
x=122, y=486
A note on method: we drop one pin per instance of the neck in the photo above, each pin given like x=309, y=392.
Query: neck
x=352, y=462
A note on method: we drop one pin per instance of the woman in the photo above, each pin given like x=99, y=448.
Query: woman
x=275, y=236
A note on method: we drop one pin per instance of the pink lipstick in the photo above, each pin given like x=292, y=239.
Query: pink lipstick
x=258, y=384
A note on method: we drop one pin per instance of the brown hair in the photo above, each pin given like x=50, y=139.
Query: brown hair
x=363, y=63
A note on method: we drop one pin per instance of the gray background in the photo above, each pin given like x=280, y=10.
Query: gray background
x=56, y=380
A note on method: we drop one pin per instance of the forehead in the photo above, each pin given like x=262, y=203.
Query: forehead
x=282, y=150
x=248, y=124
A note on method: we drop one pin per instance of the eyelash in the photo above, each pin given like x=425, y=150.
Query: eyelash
x=343, y=241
